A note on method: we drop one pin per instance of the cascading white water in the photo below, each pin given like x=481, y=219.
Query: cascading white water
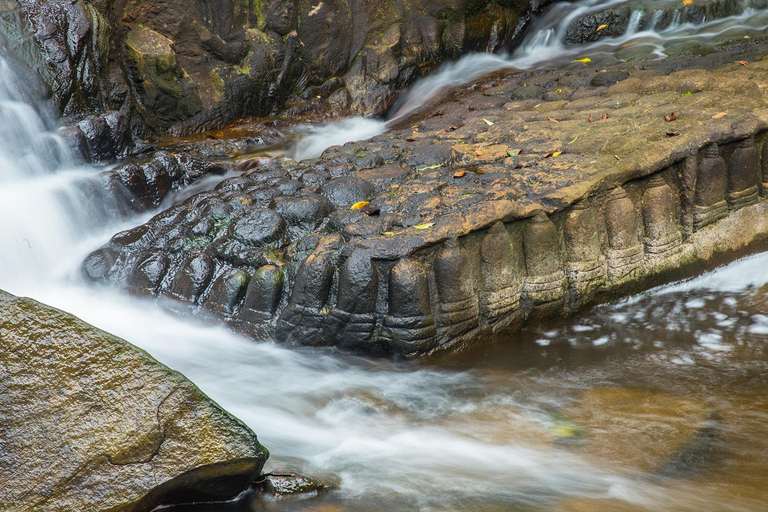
x=543, y=48
x=401, y=436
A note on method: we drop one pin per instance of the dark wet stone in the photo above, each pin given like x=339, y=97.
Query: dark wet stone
x=237, y=253
x=366, y=227
x=193, y=278
x=301, y=321
x=529, y=92
x=132, y=239
x=711, y=188
x=305, y=212
x=261, y=226
x=135, y=182
x=352, y=322
x=409, y=328
x=265, y=290
x=262, y=195
x=608, y=78
x=499, y=273
x=457, y=307
x=227, y=292
x=157, y=180
x=346, y=191
x=743, y=169
x=236, y=183
x=98, y=138
x=148, y=273
x=98, y=264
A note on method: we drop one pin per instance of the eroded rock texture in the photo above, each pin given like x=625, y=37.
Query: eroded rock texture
x=463, y=234
x=90, y=422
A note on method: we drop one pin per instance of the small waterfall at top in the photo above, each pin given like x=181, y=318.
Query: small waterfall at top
x=651, y=26
x=49, y=206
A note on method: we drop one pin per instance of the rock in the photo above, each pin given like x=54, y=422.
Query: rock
x=151, y=437
x=483, y=213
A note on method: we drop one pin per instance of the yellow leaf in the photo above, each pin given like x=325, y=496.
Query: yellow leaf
x=358, y=206
x=585, y=60
x=687, y=2
x=601, y=27
x=489, y=123
x=424, y=226
x=388, y=233
x=557, y=153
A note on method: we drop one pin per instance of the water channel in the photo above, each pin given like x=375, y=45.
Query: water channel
x=657, y=402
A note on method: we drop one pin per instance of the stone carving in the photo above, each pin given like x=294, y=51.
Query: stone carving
x=409, y=327
x=227, y=292
x=625, y=253
x=586, y=264
x=545, y=277
x=352, y=321
x=262, y=298
x=301, y=322
x=764, y=160
x=711, y=188
x=148, y=274
x=662, y=234
x=743, y=175
x=193, y=278
x=498, y=273
x=457, y=307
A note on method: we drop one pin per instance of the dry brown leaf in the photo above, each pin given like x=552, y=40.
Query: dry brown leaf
x=670, y=117
x=605, y=116
x=552, y=119
x=479, y=152
x=520, y=166
x=589, y=118
x=617, y=157
x=673, y=134
x=718, y=116
x=458, y=174
x=742, y=62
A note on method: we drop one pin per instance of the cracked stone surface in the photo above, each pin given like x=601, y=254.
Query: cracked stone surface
x=90, y=422
x=521, y=196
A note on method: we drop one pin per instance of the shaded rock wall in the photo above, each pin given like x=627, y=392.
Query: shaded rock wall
x=90, y=422
x=188, y=67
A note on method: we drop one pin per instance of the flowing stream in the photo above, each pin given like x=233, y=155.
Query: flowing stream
x=535, y=422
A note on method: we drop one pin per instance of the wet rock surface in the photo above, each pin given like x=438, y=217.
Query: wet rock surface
x=91, y=422
x=480, y=212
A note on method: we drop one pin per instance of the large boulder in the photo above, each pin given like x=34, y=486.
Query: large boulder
x=90, y=422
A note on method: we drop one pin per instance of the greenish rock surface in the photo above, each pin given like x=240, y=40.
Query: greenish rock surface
x=90, y=422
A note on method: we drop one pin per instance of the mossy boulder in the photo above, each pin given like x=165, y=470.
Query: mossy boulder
x=90, y=422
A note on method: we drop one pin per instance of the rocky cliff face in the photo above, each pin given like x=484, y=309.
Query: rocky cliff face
x=90, y=422
x=185, y=67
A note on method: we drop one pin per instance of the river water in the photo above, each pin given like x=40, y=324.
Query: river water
x=658, y=402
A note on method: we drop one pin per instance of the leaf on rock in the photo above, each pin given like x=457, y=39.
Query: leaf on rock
x=458, y=174
x=553, y=153
x=584, y=60
x=489, y=123
x=605, y=116
x=673, y=134
x=552, y=119
x=589, y=118
x=670, y=117
x=601, y=27
x=513, y=152
x=742, y=62
x=359, y=205
x=424, y=226
x=479, y=152
x=718, y=116
x=520, y=166
x=388, y=233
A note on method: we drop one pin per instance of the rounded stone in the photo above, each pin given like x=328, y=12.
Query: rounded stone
x=307, y=211
x=259, y=227
x=348, y=190
x=97, y=265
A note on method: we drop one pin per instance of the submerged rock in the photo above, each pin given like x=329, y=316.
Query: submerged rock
x=90, y=422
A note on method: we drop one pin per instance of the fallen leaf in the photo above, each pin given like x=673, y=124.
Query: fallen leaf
x=428, y=167
x=605, y=116
x=479, y=152
x=552, y=119
x=585, y=60
x=742, y=62
x=688, y=93
x=359, y=205
x=553, y=153
x=496, y=185
x=513, y=152
x=670, y=117
x=489, y=123
x=559, y=91
x=520, y=166
x=410, y=140
x=627, y=45
x=388, y=233
x=574, y=140
x=466, y=193
x=589, y=119
x=601, y=27
x=718, y=116
x=673, y=134
x=617, y=158
x=454, y=128
x=458, y=174
x=424, y=226
x=687, y=2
